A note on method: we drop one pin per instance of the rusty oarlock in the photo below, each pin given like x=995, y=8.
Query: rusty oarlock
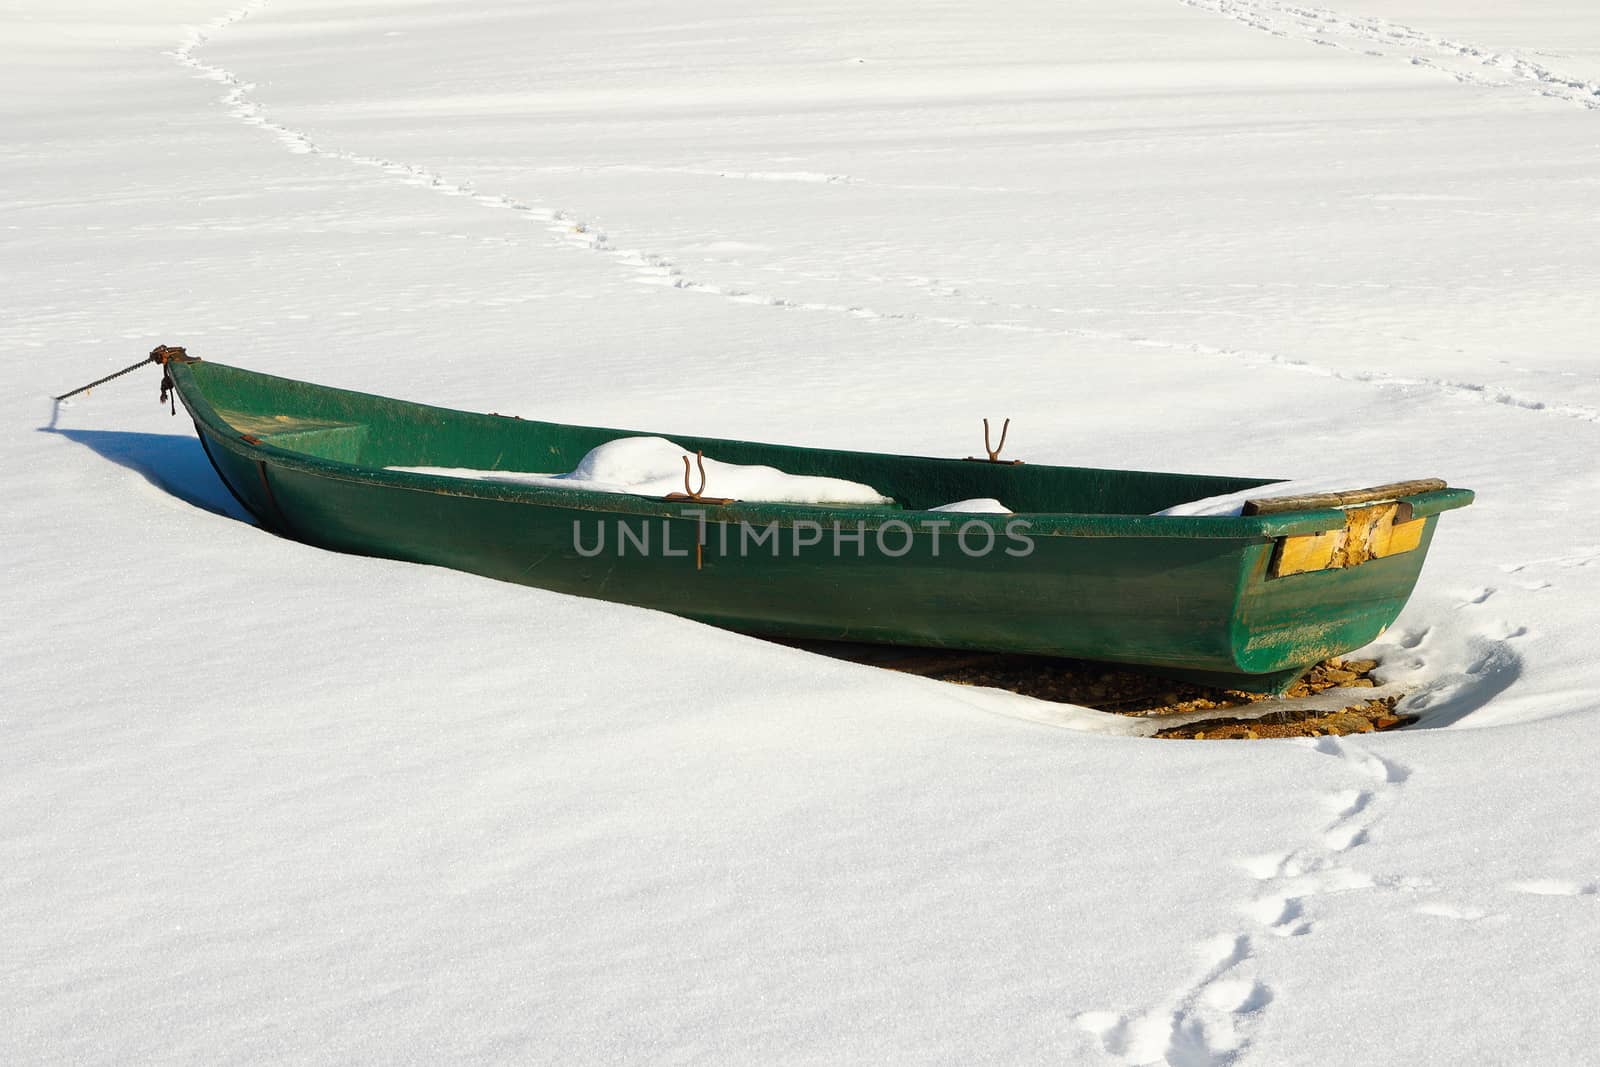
x=696, y=494
x=995, y=450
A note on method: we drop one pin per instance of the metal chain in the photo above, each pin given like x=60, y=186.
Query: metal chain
x=107, y=378
x=161, y=354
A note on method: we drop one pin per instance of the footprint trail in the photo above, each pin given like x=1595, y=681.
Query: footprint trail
x=1469, y=64
x=1211, y=1021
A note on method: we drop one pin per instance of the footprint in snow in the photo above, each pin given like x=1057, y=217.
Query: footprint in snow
x=1414, y=638
x=1207, y=1023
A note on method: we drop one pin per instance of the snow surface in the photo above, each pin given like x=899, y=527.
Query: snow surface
x=263, y=803
x=654, y=466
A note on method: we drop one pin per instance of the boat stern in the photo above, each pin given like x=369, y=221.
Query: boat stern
x=1316, y=593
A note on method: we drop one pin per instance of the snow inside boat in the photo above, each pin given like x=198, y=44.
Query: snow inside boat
x=1076, y=564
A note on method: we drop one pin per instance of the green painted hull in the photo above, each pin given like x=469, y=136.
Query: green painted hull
x=1088, y=573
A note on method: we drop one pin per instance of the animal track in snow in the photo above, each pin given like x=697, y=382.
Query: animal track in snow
x=1379, y=38
x=1414, y=638
x=1540, y=887
x=1206, y=1023
x=1343, y=838
x=1211, y=1020
x=1584, y=557
x=1281, y=915
x=1291, y=878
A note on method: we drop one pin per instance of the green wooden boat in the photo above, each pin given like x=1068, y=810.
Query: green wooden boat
x=1082, y=569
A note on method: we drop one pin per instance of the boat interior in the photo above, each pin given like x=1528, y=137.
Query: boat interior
x=368, y=431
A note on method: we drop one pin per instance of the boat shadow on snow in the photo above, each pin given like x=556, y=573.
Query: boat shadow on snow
x=174, y=463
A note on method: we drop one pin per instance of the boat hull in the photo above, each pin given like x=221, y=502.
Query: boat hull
x=1151, y=593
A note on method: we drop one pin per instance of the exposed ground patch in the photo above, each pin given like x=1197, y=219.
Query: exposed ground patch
x=1335, y=697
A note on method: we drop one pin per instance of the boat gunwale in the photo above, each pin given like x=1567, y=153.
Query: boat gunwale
x=1048, y=524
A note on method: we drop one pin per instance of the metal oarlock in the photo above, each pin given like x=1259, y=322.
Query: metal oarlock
x=695, y=494
x=995, y=450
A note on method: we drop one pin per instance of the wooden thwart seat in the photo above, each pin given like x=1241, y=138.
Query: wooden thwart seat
x=1342, y=499
x=260, y=425
x=328, y=438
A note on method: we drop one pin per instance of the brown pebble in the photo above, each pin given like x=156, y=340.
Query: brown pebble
x=1362, y=683
x=1339, y=676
